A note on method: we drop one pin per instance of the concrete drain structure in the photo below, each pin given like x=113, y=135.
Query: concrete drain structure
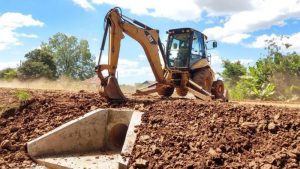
x=94, y=140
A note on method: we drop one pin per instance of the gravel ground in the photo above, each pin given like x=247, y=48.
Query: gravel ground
x=175, y=133
x=188, y=134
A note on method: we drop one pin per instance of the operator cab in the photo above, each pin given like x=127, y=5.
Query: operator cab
x=185, y=47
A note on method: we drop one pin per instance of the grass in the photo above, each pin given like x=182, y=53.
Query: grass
x=22, y=95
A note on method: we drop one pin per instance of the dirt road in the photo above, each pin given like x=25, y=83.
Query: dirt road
x=180, y=133
x=269, y=103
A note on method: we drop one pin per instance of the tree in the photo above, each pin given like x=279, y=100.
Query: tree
x=232, y=72
x=39, y=63
x=72, y=59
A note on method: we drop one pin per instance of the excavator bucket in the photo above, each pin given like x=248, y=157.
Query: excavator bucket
x=112, y=89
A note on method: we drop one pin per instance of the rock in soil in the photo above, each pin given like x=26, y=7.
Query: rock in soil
x=6, y=144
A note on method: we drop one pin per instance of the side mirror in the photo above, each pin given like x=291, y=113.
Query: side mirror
x=215, y=44
x=211, y=44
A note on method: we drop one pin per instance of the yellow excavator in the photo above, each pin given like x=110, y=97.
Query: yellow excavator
x=186, y=66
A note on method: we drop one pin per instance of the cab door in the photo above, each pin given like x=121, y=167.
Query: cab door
x=198, y=48
x=178, y=50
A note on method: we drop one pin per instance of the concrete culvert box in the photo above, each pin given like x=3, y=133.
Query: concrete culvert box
x=94, y=140
x=117, y=136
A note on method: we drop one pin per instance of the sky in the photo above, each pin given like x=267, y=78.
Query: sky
x=240, y=27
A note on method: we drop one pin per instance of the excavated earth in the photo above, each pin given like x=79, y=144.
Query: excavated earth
x=175, y=133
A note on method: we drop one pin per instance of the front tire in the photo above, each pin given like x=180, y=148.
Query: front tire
x=204, y=78
x=166, y=91
x=218, y=89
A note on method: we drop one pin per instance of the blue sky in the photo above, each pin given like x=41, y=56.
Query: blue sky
x=239, y=26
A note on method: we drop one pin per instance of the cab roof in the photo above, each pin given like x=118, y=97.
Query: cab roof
x=179, y=30
x=183, y=30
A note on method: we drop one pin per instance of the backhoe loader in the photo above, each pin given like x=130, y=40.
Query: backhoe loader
x=186, y=62
x=97, y=139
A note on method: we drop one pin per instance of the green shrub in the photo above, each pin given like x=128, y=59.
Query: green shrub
x=238, y=92
x=22, y=95
x=34, y=70
x=8, y=74
x=274, y=77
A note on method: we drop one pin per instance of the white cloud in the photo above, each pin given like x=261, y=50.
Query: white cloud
x=33, y=36
x=8, y=38
x=131, y=68
x=293, y=39
x=9, y=22
x=266, y=13
x=187, y=11
x=12, y=20
x=9, y=64
x=216, y=59
x=125, y=63
x=238, y=20
x=216, y=64
x=260, y=41
x=235, y=38
x=85, y=4
x=224, y=7
x=142, y=57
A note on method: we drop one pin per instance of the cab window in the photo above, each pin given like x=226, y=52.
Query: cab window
x=197, y=52
x=178, y=50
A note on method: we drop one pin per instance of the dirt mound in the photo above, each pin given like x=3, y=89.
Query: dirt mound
x=174, y=132
x=45, y=111
x=187, y=134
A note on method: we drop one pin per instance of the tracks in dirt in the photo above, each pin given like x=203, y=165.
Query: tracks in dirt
x=174, y=132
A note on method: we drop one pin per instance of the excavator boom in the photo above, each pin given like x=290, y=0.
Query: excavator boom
x=148, y=38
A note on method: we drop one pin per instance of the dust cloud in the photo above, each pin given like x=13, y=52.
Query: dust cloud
x=63, y=83
x=287, y=86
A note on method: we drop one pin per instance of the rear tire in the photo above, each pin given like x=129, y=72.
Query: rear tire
x=218, y=89
x=204, y=78
x=166, y=91
x=181, y=91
